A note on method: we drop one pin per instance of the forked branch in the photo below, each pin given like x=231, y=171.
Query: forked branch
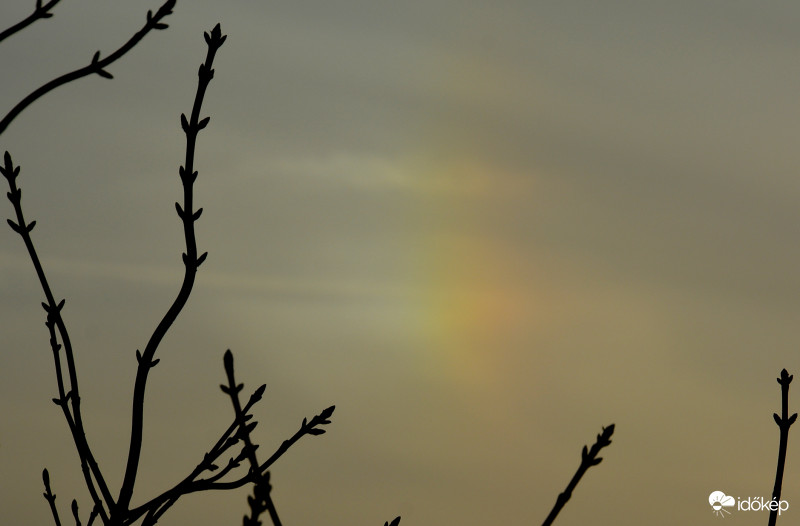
x=229, y=438
x=68, y=400
x=117, y=512
x=261, y=500
x=191, y=263
x=237, y=434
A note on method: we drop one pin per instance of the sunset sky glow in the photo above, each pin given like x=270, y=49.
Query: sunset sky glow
x=482, y=230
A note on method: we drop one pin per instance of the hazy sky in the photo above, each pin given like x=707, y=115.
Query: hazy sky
x=482, y=230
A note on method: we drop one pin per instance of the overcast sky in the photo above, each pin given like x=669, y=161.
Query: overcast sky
x=482, y=230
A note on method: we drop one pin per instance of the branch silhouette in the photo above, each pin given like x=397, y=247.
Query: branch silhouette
x=41, y=11
x=68, y=401
x=235, y=444
x=96, y=66
x=231, y=437
x=589, y=458
x=784, y=423
x=191, y=263
x=261, y=500
x=50, y=497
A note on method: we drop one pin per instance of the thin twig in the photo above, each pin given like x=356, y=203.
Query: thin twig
x=784, y=423
x=50, y=496
x=261, y=500
x=41, y=11
x=227, y=440
x=191, y=263
x=589, y=458
x=157, y=506
x=308, y=428
x=96, y=66
x=75, y=512
x=71, y=410
x=93, y=515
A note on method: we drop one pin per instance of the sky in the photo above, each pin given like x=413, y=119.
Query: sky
x=483, y=230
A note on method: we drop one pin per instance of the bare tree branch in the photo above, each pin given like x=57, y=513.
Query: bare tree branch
x=191, y=484
x=69, y=402
x=784, y=423
x=50, y=497
x=97, y=65
x=191, y=263
x=41, y=11
x=589, y=458
x=207, y=475
x=261, y=500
